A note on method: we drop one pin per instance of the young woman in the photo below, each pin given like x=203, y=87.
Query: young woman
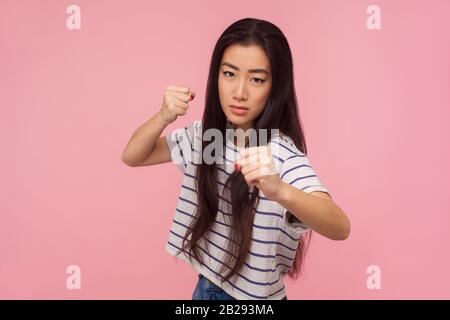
x=241, y=223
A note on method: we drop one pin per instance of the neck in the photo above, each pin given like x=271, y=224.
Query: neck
x=236, y=141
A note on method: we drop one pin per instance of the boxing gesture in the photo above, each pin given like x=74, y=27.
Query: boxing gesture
x=257, y=166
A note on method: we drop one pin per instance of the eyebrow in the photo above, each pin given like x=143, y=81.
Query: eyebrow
x=249, y=70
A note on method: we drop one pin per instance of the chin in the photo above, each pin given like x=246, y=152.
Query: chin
x=238, y=121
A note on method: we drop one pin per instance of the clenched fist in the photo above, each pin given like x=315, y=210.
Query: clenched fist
x=257, y=167
x=176, y=102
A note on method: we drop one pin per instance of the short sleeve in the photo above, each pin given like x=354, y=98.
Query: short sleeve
x=298, y=171
x=181, y=143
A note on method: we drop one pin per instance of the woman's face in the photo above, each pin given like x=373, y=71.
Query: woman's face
x=245, y=79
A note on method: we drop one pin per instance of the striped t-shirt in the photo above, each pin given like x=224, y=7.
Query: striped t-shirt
x=274, y=240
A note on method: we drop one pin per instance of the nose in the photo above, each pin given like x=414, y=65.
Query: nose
x=241, y=91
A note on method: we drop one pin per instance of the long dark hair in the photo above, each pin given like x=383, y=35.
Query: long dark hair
x=280, y=112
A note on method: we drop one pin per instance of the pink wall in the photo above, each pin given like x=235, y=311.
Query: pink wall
x=375, y=105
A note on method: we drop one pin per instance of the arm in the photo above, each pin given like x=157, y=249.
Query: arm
x=146, y=146
x=316, y=210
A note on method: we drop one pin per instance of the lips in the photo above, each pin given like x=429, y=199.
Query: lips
x=239, y=110
x=240, y=107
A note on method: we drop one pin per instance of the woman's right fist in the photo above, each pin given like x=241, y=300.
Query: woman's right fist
x=176, y=102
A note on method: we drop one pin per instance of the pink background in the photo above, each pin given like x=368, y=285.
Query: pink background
x=374, y=103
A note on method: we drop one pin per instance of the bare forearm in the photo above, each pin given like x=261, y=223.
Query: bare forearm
x=321, y=215
x=143, y=140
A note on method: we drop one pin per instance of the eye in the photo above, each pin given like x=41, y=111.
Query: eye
x=260, y=80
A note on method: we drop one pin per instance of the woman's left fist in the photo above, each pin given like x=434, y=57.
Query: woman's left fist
x=257, y=167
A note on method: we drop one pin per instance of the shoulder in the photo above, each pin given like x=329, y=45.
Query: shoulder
x=197, y=124
x=283, y=146
x=194, y=128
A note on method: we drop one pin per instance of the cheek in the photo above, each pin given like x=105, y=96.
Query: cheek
x=219, y=85
x=259, y=110
x=222, y=87
x=224, y=83
x=223, y=93
x=261, y=101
